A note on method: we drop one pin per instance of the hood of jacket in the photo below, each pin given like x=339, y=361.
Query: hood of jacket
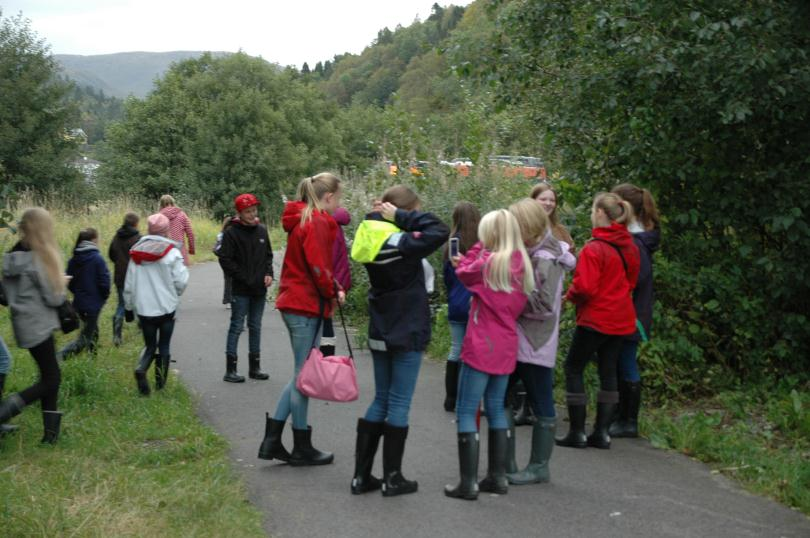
x=85, y=252
x=151, y=248
x=17, y=260
x=615, y=233
x=172, y=212
x=126, y=232
x=650, y=239
x=292, y=214
x=342, y=216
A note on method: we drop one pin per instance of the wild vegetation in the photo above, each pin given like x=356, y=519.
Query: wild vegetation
x=707, y=107
x=125, y=465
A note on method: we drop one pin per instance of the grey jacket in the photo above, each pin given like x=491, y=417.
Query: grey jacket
x=30, y=296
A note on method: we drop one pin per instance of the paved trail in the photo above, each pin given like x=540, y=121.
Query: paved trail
x=630, y=490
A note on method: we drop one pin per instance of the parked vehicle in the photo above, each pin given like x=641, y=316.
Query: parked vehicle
x=462, y=165
x=519, y=165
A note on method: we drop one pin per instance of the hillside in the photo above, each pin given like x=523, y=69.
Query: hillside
x=123, y=73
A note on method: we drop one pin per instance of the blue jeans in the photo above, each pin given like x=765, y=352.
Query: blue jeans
x=628, y=363
x=539, y=383
x=5, y=358
x=157, y=334
x=253, y=308
x=119, y=310
x=474, y=385
x=457, y=331
x=395, y=376
x=302, y=338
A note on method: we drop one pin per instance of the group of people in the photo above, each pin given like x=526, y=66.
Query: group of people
x=505, y=274
x=35, y=283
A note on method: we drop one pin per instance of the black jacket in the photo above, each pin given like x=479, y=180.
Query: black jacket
x=124, y=239
x=246, y=256
x=399, y=315
x=643, y=298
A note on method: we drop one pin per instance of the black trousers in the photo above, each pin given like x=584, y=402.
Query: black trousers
x=47, y=388
x=585, y=344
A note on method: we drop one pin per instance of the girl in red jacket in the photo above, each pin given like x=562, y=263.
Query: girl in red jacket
x=307, y=290
x=606, y=273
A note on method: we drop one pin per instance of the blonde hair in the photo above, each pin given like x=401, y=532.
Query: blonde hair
x=36, y=232
x=312, y=189
x=500, y=233
x=167, y=200
x=616, y=209
x=532, y=219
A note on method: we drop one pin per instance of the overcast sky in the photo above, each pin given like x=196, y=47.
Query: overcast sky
x=287, y=32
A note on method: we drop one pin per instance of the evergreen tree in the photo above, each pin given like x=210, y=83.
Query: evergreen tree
x=35, y=115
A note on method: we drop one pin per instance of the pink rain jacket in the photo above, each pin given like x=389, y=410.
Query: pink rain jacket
x=491, y=342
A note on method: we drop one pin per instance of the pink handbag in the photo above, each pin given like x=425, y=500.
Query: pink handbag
x=332, y=378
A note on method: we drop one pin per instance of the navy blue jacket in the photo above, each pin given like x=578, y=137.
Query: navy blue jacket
x=458, y=297
x=643, y=298
x=91, y=279
x=399, y=315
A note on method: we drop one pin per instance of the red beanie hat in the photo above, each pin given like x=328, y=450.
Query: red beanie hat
x=244, y=201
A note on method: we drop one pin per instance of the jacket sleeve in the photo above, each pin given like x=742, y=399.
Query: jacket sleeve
x=179, y=274
x=423, y=233
x=227, y=257
x=269, y=259
x=111, y=252
x=318, y=255
x=470, y=270
x=102, y=278
x=449, y=273
x=129, y=287
x=568, y=261
x=585, y=284
x=189, y=233
x=70, y=272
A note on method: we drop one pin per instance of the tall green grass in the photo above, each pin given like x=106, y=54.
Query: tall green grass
x=125, y=465
x=107, y=217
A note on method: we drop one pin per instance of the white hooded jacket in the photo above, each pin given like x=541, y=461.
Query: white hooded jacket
x=156, y=277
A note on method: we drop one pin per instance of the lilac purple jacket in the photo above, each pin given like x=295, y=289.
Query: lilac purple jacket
x=533, y=317
x=491, y=342
x=340, y=257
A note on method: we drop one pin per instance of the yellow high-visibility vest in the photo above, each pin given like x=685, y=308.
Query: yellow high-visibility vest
x=370, y=237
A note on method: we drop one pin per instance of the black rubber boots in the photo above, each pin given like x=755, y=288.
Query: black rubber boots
x=368, y=440
x=230, y=370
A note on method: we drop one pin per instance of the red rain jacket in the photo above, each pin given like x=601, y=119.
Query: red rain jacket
x=306, y=273
x=602, y=289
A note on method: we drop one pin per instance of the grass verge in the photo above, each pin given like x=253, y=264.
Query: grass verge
x=761, y=439
x=125, y=465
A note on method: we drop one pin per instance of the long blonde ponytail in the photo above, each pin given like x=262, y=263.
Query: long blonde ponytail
x=500, y=233
x=36, y=232
x=312, y=189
